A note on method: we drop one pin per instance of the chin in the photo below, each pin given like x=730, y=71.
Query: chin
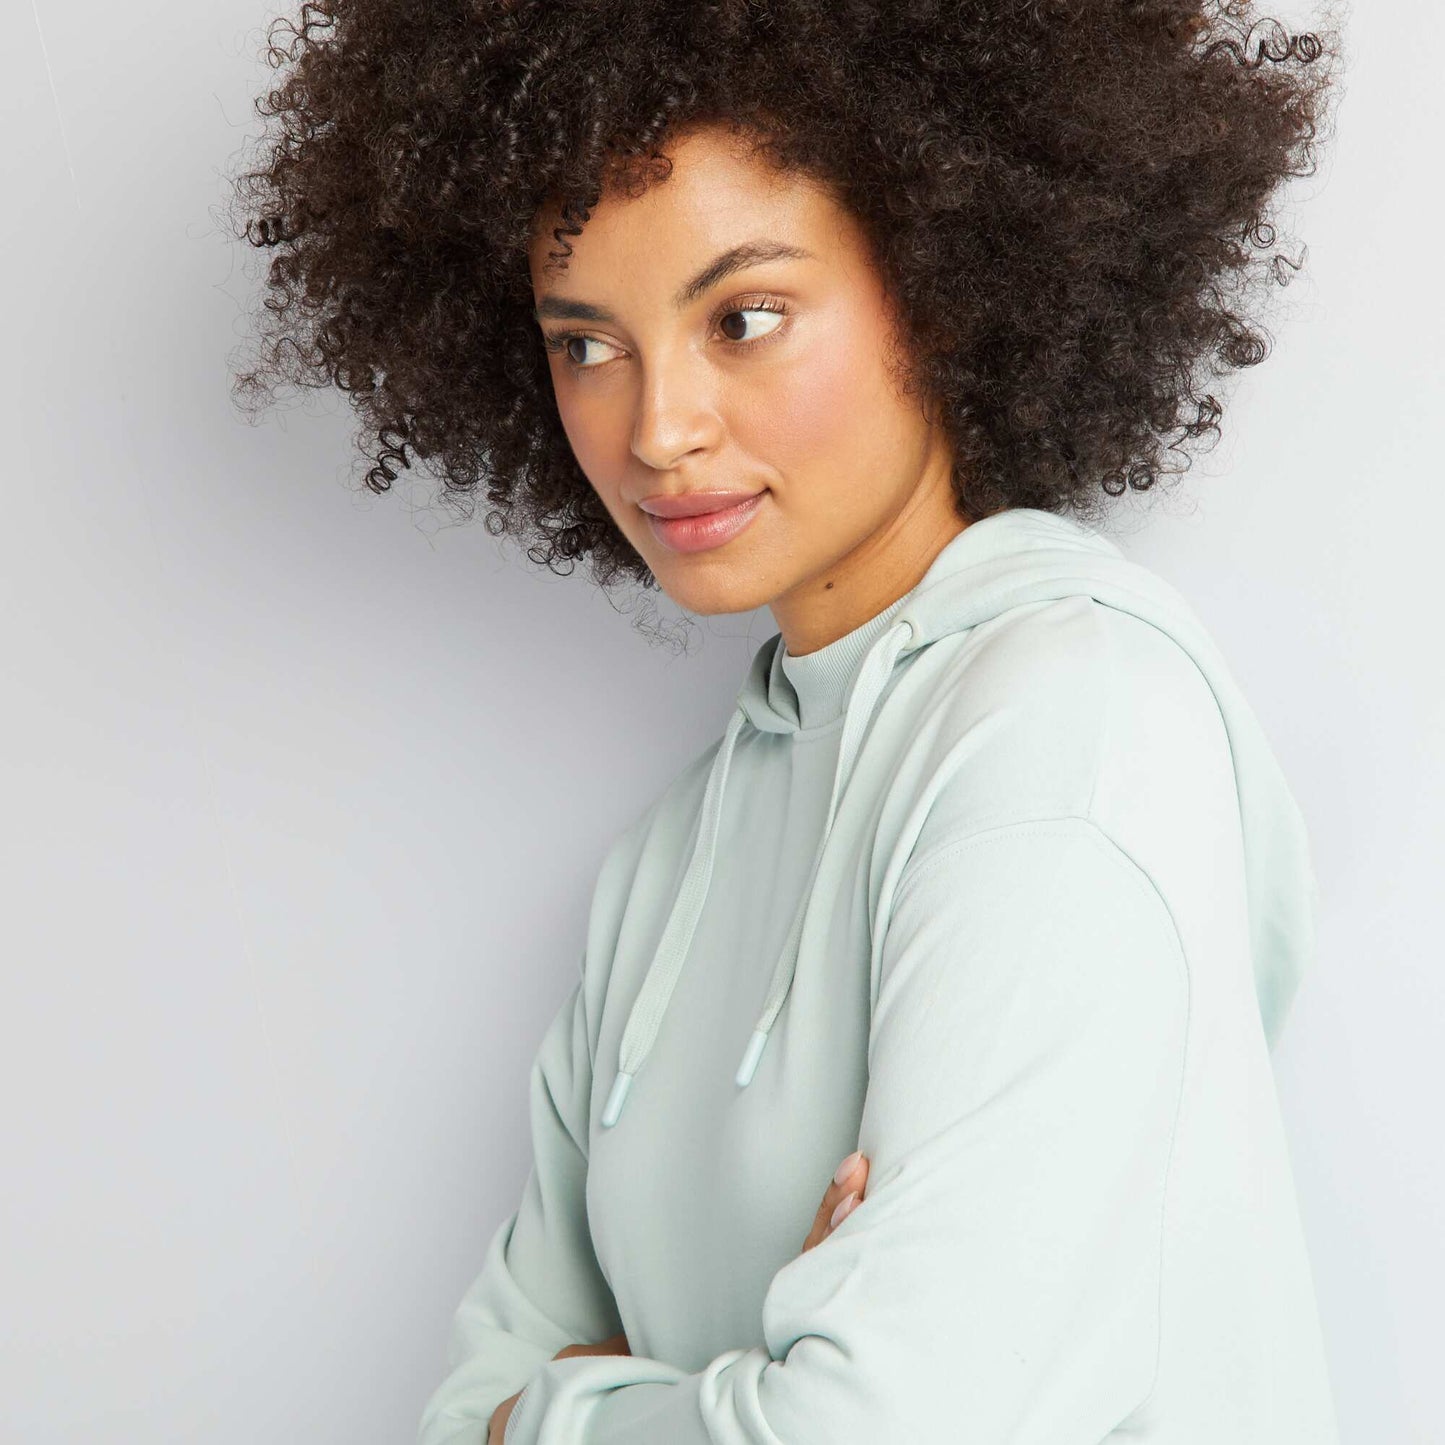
x=709, y=586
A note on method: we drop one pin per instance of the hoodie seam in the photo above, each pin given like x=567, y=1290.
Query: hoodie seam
x=1182, y=956
x=1106, y=712
x=943, y=851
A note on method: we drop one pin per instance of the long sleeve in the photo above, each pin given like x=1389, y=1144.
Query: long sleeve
x=1001, y=1280
x=540, y=1286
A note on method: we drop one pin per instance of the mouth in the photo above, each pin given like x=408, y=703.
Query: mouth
x=693, y=504
x=700, y=521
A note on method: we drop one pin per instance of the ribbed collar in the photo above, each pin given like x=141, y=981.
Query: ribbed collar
x=820, y=679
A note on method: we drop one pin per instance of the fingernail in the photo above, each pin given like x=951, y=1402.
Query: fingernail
x=845, y=1207
x=847, y=1166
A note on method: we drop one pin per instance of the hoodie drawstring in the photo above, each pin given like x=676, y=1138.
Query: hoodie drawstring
x=652, y=999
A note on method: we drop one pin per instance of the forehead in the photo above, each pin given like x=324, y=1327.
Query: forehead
x=719, y=191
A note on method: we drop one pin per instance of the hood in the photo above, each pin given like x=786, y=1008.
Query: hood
x=1014, y=557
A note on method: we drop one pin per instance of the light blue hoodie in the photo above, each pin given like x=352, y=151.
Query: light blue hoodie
x=1006, y=889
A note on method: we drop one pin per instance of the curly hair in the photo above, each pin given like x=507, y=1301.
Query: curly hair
x=1067, y=198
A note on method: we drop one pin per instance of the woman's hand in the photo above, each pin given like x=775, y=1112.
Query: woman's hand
x=614, y=1345
x=842, y=1196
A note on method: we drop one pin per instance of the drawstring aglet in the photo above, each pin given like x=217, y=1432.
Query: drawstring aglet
x=613, y=1107
x=749, y=1065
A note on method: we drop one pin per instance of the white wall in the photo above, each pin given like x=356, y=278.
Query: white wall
x=302, y=798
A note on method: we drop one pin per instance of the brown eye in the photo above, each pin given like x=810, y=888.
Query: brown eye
x=733, y=324
x=573, y=347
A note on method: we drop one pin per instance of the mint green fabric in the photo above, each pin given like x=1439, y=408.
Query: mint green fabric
x=1007, y=889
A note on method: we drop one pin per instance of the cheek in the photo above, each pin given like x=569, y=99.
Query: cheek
x=597, y=434
x=823, y=413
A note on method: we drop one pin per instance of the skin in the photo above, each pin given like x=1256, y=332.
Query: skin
x=716, y=394
x=665, y=399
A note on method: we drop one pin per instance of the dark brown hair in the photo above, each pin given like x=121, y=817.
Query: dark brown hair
x=1069, y=198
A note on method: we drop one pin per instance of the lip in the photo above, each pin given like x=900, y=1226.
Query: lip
x=699, y=521
x=692, y=504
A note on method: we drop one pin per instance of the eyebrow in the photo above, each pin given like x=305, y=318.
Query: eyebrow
x=735, y=258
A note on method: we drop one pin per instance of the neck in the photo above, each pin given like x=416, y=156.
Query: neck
x=872, y=576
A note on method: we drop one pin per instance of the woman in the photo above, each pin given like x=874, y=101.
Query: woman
x=991, y=887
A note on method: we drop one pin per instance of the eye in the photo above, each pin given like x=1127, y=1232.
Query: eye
x=768, y=310
x=573, y=344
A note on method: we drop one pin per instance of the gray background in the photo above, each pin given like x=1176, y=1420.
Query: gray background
x=304, y=790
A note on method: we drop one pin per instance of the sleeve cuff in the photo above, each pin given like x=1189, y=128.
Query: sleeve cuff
x=609, y=1400
x=509, y=1435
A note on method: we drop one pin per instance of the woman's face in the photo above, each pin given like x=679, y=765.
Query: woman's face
x=727, y=331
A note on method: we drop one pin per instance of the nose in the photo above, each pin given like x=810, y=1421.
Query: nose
x=677, y=413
